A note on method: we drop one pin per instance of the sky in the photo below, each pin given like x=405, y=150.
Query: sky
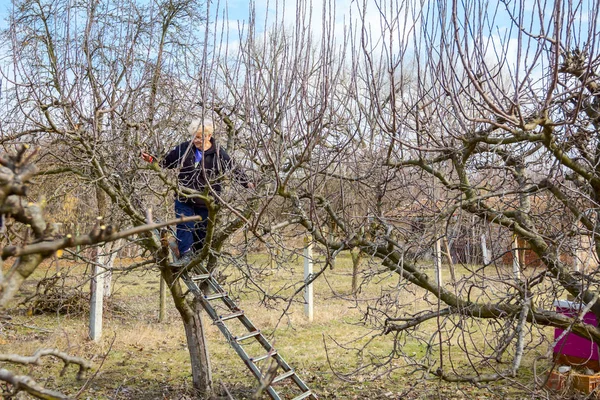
x=5, y=5
x=267, y=10
x=342, y=12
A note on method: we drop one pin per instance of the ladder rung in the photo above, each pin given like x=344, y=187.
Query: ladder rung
x=303, y=395
x=231, y=316
x=260, y=358
x=215, y=296
x=191, y=280
x=248, y=336
x=200, y=277
x=283, y=376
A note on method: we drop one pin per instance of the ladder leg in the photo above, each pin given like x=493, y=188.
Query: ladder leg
x=220, y=294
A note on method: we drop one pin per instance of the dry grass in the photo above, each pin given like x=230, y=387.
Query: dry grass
x=138, y=358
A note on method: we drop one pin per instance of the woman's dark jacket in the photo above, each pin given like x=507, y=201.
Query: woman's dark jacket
x=214, y=165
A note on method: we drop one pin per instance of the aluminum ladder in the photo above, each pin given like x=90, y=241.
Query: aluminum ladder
x=193, y=280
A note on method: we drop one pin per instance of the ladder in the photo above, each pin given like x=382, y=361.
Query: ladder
x=193, y=280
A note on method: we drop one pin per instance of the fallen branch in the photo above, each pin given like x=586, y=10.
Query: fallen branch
x=35, y=328
x=27, y=384
x=35, y=359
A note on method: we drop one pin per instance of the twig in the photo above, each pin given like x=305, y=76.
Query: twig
x=266, y=379
x=339, y=376
x=29, y=327
x=93, y=376
x=229, y=396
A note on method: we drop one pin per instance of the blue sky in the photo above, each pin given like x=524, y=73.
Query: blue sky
x=5, y=5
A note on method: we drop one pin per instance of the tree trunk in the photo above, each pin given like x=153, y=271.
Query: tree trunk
x=191, y=315
x=198, y=349
x=110, y=249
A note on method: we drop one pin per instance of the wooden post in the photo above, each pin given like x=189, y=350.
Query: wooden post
x=437, y=261
x=516, y=265
x=473, y=241
x=450, y=262
x=162, y=305
x=78, y=247
x=331, y=237
x=308, y=271
x=163, y=301
x=356, y=255
x=274, y=254
x=448, y=252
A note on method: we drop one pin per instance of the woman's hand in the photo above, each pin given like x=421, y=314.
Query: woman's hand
x=147, y=157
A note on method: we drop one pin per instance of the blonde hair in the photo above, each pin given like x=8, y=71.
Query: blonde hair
x=199, y=124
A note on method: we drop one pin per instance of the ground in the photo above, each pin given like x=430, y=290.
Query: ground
x=140, y=358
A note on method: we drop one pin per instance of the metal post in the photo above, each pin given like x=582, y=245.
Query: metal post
x=308, y=271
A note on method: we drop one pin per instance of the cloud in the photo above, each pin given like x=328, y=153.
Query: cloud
x=386, y=26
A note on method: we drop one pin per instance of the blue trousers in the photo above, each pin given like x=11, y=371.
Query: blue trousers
x=190, y=235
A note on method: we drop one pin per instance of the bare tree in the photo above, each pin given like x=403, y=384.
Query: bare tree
x=40, y=243
x=97, y=84
x=430, y=123
x=383, y=138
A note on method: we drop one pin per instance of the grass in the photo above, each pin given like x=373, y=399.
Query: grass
x=139, y=358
